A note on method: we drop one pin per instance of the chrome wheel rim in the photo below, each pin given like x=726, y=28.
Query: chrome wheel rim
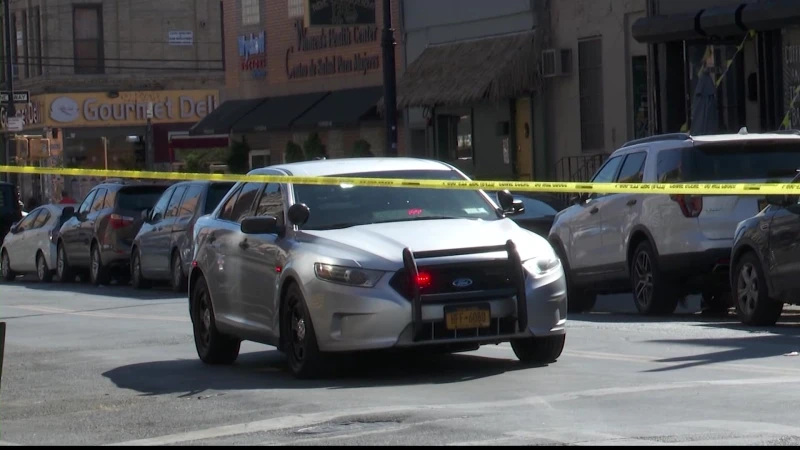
x=747, y=289
x=298, y=331
x=137, y=270
x=95, y=264
x=5, y=263
x=60, y=262
x=40, y=268
x=203, y=320
x=643, y=273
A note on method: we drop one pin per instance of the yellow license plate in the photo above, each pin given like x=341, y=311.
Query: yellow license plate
x=468, y=318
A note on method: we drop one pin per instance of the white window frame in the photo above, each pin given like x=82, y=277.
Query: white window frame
x=251, y=12
x=257, y=153
x=297, y=9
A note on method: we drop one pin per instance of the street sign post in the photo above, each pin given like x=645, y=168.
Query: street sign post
x=19, y=96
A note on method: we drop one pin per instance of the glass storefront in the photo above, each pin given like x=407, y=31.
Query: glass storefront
x=111, y=152
x=716, y=91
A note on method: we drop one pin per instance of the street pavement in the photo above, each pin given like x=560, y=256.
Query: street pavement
x=110, y=365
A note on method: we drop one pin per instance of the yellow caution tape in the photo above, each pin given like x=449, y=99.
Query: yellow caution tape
x=527, y=186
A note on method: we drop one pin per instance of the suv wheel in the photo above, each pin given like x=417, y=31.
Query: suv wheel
x=179, y=281
x=137, y=279
x=42, y=270
x=7, y=273
x=539, y=350
x=653, y=293
x=753, y=305
x=212, y=346
x=63, y=270
x=305, y=359
x=98, y=273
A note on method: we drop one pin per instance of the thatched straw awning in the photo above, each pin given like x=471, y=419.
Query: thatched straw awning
x=460, y=73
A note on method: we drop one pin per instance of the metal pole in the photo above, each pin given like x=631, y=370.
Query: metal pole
x=2, y=346
x=149, y=150
x=105, y=151
x=10, y=110
x=389, y=80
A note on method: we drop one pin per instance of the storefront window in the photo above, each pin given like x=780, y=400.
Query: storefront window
x=454, y=139
x=716, y=92
x=111, y=153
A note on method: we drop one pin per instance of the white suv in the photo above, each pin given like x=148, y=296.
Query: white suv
x=665, y=247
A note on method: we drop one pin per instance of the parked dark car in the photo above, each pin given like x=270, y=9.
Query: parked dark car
x=163, y=248
x=540, y=211
x=10, y=210
x=99, y=237
x=766, y=261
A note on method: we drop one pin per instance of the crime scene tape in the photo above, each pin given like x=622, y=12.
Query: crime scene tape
x=526, y=186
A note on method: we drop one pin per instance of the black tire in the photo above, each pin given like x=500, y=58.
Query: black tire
x=64, y=272
x=539, y=350
x=213, y=347
x=653, y=293
x=137, y=279
x=300, y=340
x=43, y=271
x=579, y=300
x=5, y=268
x=98, y=273
x=716, y=303
x=179, y=281
x=753, y=304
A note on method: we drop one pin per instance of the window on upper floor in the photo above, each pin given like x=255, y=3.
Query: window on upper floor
x=251, y=12
x=87, y=32
x=297, y=9
x=590, y=68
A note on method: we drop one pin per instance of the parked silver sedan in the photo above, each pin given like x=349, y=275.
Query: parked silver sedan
x=30, y=245
x=315, y=270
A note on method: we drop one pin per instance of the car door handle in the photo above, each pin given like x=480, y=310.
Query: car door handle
x=631, y=202
x=594, y=210
x=244, y=245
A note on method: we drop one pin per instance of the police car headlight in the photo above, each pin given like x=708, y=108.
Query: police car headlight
x=351, y=276
x=542, y=265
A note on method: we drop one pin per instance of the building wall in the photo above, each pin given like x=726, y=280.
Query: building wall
x=667, y=7
x=571, y=21
x=137, y=50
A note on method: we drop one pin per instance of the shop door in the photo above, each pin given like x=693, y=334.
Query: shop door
x=524, y=150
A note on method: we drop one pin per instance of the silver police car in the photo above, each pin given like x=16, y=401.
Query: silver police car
x=317, y=270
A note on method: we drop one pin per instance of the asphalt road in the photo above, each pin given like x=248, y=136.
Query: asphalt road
x=92, y=366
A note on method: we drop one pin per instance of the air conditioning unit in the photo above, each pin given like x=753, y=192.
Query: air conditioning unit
x=556, y=62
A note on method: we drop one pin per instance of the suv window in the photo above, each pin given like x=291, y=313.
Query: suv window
x=27, y=222
x=99, y=200
x=110, y=197
x=668, y=166
x=175, y=201
x=191, y=200
x=244, y=204
x=271, y=202
x=216, y=192
x=632, y=170
x=87, y=202
x=139, y=198
x=607, y=172
x=161, y=205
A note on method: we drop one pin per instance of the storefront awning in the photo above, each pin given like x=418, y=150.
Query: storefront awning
x=192, y=142
x=460, y=73
x=224, y=117
x=674, y=27
x=277, y=112
x=342, y=108
x=772, y=15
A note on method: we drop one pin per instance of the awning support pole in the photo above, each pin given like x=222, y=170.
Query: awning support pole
x=389, y=80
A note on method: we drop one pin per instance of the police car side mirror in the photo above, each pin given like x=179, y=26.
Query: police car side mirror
x=299, y=214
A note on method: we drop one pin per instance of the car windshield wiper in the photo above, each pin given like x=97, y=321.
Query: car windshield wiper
x=336, y=226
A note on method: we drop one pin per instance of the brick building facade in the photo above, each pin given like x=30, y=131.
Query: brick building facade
x=328, y=80
x=93, y=68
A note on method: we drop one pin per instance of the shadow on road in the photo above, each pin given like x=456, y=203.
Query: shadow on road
x=122, y=291
x=267, y=370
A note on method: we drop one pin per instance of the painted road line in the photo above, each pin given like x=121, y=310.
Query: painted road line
x=99, y=315
x=305, y=420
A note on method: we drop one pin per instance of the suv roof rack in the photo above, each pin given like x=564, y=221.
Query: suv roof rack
x=659, y=138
